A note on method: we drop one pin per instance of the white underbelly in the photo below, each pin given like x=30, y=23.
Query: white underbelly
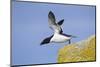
x=60, y=38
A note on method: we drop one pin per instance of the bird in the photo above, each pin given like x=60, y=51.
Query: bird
x=58, y=35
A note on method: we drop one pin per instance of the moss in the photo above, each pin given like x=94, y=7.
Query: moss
x=81, y=51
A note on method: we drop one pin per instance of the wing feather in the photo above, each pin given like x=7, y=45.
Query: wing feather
x=52, y=23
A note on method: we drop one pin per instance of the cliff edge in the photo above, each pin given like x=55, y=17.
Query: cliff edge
x=80, y=51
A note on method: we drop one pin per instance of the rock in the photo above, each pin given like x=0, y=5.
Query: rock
x=80, y=51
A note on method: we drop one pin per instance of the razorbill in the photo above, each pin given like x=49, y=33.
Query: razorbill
x=58, y=36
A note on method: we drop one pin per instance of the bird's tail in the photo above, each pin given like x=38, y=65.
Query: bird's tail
x=74, y=36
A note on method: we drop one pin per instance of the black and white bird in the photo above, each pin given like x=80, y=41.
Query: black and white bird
x=58, y=36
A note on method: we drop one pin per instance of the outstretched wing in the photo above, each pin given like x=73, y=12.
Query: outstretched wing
x=52, y=23
x=61, y=22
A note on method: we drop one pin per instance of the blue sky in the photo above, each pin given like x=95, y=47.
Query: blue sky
x=30, y=27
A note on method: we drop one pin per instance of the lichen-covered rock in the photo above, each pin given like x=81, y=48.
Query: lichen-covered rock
x=80, y=51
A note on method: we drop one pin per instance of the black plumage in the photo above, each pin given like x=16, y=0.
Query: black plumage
x=46, y=40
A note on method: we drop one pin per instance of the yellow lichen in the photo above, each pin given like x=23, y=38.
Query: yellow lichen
x=82, y=51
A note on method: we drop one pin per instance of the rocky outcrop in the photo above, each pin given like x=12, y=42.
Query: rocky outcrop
x=80, y=51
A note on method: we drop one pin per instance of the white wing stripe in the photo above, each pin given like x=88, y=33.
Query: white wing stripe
x=52, y=23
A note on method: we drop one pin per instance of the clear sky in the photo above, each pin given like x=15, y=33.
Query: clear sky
x=30, y=27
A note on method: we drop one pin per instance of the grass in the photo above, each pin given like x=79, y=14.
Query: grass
x=80, y=51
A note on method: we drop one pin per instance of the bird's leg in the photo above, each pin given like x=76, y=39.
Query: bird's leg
x=69, y=41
